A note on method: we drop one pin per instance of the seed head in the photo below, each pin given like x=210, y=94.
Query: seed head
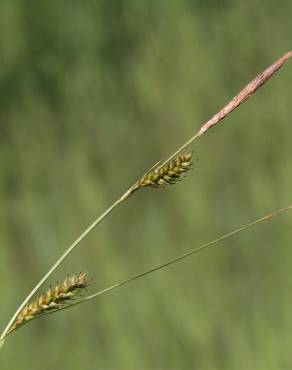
x=55, y=298
x=169, y=174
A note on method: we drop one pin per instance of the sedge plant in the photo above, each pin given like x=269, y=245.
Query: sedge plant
x=166, y=172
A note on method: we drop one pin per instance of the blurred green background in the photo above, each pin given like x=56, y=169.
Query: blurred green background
x=92, y=94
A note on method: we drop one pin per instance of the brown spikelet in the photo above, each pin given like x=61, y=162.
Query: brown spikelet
x=55, y=298
x=168, y=174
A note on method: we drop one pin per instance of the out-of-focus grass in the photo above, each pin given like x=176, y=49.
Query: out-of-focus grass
x=91, y=96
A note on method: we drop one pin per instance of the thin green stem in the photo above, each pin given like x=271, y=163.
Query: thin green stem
x=177, y=259
x=79, y=239
x=62, y=258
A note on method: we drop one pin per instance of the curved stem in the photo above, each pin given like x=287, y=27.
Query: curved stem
x=63, y=257
x=174, y=260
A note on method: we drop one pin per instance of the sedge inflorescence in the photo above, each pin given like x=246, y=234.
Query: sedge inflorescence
x=53, y=299
x=168, y=174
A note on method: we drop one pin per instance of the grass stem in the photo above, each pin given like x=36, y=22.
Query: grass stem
x=179, y=258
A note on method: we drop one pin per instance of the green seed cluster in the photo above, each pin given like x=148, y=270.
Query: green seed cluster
x=168, y=174
x=55, y=298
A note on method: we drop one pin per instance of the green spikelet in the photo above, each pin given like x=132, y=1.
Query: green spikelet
x=55, y=298
x=168, y=174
